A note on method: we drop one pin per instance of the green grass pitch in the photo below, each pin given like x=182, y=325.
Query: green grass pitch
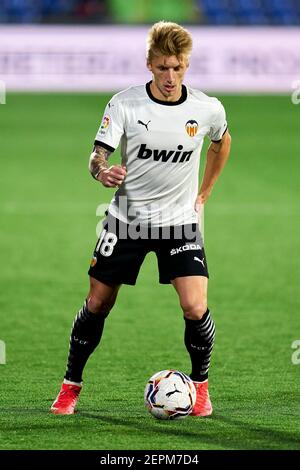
x=48, y=220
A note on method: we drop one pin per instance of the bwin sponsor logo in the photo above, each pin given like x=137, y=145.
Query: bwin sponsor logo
x=193, y=246
x=164, y=155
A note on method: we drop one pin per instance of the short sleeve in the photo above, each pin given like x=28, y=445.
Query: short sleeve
x=219, y=124
x=112, y=125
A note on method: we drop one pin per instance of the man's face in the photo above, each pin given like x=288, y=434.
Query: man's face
x=168, y=74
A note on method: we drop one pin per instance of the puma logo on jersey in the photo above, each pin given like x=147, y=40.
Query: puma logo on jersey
x=143, y=124
x=164, y=155
x=192, y=246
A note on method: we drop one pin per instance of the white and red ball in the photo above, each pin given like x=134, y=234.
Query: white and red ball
x=170, y=394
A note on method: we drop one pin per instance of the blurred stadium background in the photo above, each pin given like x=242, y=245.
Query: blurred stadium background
x=211, y=12
x=60, y=61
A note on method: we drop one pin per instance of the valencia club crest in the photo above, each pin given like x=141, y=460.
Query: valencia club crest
x=191, y=127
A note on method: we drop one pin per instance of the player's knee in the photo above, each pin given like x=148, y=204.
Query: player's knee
x=99, y=306
x=194, y=310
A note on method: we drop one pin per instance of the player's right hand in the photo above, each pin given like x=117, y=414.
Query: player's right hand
x=113, y=177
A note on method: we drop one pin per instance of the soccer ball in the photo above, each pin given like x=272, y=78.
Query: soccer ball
x=170, y=394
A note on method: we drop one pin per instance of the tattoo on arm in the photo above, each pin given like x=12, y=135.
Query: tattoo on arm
x=98, y=160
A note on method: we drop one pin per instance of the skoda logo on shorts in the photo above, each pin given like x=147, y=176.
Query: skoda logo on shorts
x=181, y=249
x=191, y=127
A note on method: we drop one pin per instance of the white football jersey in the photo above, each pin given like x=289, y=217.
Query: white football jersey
x=160, y=147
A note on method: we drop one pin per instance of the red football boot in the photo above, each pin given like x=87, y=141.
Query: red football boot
x=203, y=406
x=66, y=400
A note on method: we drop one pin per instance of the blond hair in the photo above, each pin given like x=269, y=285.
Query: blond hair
x=166, y=38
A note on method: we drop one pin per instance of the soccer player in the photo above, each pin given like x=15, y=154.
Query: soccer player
x=161, y=126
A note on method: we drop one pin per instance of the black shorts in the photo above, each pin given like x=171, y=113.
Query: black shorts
x=121, y=250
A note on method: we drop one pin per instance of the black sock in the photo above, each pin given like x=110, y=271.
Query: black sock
x=85, y=336
x=199, y=339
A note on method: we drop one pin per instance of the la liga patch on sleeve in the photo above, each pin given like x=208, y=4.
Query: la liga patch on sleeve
x=104, y=124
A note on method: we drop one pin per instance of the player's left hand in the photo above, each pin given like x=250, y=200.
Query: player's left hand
x=201, y=199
